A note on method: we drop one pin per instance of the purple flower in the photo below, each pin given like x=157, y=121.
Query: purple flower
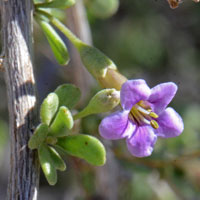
x=144, y=116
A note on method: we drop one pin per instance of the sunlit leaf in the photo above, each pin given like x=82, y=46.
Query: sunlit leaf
x=68, y=95
x=38, y=137
x=62, y=122
x=49, y=108
x=57, y=45
x=86, y=147
x=47, y=164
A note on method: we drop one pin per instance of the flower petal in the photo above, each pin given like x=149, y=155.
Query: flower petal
x=142, y=142
x=116, y=126
x=161, y=96
x=132, y=92
x=170, y=124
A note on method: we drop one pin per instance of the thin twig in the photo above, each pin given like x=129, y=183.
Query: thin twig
x=158, y=163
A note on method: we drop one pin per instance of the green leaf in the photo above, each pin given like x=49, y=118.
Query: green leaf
x=56, y=159
x=56, y=4
x=68, y=95
x=38, y=137
x=49, y=108
x=47, y=164
x=104, y=101
x=62, y=122
x=86, y=147
x=57, y=45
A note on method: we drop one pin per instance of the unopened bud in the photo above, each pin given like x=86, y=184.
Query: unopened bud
x=112, y=79
x=103, y=101
x=101, y=67
x=102, y=8
x=96, y=62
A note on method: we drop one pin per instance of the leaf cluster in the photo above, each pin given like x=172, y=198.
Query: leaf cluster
x=54, y=133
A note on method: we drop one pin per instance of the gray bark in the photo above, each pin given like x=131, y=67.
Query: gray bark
x=17, y=40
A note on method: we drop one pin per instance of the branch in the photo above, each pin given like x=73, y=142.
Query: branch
x=157, y=164
x=17, y=42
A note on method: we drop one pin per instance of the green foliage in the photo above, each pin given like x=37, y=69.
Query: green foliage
x=57, y=45
x=68, y=95
x=50, y=160
x=62, y=122
x=63, y=4
x=104, y=101
x=47, y=164
x=86, y=147
x=57, y=160
x=39, y=136
x=56, y=121
x=102, y=8
x=49, y=108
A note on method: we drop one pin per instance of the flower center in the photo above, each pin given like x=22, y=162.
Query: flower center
x=141, y=113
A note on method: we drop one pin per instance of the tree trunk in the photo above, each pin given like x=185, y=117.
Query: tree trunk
x=17, y=42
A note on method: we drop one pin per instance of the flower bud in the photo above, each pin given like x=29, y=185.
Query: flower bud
x=101, y=67
x=112, y=79
x=104, y=101
x=102, y=8
x=96, y=62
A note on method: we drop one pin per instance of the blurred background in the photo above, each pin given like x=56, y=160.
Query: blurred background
x=148, y=40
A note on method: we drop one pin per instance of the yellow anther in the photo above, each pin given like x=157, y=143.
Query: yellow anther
x=153, y=114
x=154, y=124
x=144, y=105
x=136, y=114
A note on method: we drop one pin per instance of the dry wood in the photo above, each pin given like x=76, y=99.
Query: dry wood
x=17, y=40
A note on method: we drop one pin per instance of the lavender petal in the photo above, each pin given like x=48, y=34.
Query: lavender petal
x=170, y=124
x=132, y=92
x=116, y=126
x=161, y=96
x=142, y=142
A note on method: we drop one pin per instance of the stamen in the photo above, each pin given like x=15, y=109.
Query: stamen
x=134, y=113
x=141, y=113
x=146, y=121
x=153, y=114
x=154, y=124
x=139, y=116
x=142, y=110
x=144, y=105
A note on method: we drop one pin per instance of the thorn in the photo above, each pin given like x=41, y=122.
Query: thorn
x=1, y=63
x=22, y=148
